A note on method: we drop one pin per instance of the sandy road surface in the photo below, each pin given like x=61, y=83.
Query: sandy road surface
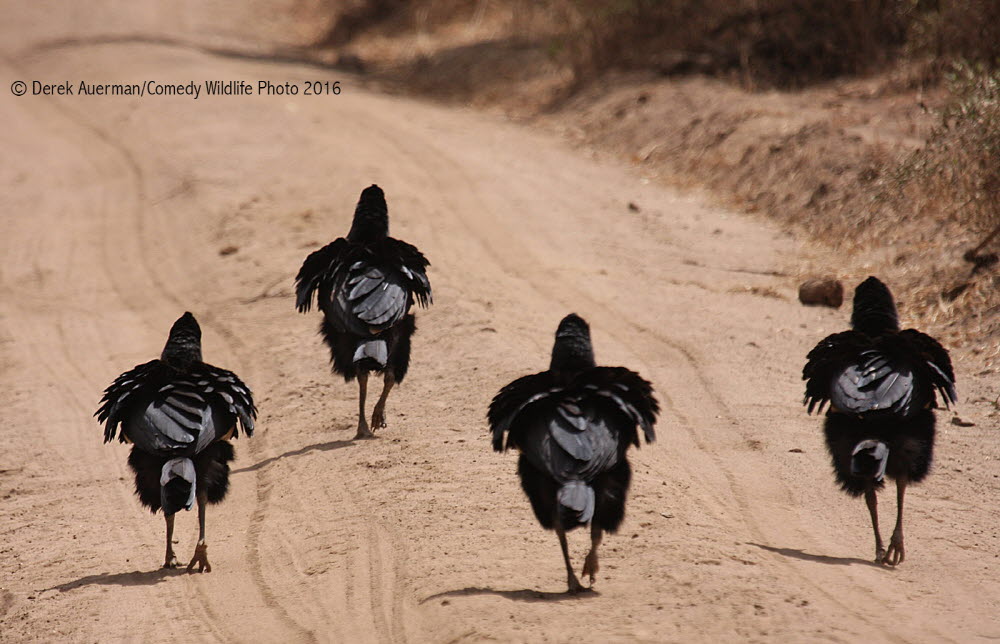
x=112, y=215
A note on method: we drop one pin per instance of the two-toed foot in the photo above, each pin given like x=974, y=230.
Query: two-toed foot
x=896, y=553
x=879, y=554
x=590, y=566
x=378, y=417
x=363, y=431
x=575, y=586
x=200, y=559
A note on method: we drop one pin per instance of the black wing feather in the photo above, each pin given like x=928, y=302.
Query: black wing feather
x=138, y=380
x=513, y=399
x=316, y=269
x=628, y=391
x=896, y=372
x=376, y=282
x=825, y=362
x=183, y=397
x=935, y=357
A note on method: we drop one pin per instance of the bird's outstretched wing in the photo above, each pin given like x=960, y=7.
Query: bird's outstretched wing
x=373, y=285
x=318, y=268
x=629, y=392
x=825, y=362
x=936, y=361
x=616, y=387
x=368, y=298
x=161, y=408
x=895, y=373
x=876, y=381
x=515, y=398
x=411, y=263
x=132, y=385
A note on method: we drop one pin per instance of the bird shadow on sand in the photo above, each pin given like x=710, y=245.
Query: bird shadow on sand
x=525, y=595
x=136, y=578
x=805, y=556
x=318, y=447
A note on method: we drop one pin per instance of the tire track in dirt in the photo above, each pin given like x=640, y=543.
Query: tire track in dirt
x=154, y=232
x=344, y=576
x=127, y=244
x=500, y=244
x=50, y=322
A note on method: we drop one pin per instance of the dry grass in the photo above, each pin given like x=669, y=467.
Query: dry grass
x=775, y=43
x=951, y=189
x=849, y=158
x=761, y=43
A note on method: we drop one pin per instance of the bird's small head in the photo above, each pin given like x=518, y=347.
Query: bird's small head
x=371, y=216
x=572, y=350
x=184, y=344
x=874, y=309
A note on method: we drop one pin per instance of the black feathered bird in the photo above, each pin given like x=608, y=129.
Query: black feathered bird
x=573, y=425
x=366, y=285
x=881, y=384
x=179, y=412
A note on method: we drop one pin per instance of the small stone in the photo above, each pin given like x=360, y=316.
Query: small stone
x=822, y=292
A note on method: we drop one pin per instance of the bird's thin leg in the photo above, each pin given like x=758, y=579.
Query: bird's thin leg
x=363, y=431
x=378, y=414
x=590, y=566
x=896, y=553
x=170, y=561
x=571, y=580
x=872, y=502
x=201, y=550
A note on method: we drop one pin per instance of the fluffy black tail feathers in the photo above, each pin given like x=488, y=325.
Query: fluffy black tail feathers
x=868, y=460
x=576, y=504
x=160, y=485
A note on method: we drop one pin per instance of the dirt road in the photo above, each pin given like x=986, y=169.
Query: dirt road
x=120, y=213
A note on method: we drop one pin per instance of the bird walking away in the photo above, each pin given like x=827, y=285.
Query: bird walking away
x=366, y=284
x=179, y=414
x=881, y=384
x=573, y=425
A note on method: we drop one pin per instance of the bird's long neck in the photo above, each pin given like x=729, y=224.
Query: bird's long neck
x=874, y=310
x=572, y=351
x=183, y=347
x=371, y=219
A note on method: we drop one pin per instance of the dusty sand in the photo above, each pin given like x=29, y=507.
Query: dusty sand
x=114, y=212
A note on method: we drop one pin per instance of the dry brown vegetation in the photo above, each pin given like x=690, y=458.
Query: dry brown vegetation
x=871, y=125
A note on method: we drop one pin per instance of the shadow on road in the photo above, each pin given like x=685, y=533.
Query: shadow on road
x=137, y=578
x=525, y=595
x=318, y=447
x=805, y=556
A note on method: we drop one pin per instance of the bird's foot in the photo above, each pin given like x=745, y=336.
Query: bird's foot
x=896, y=553
x=590, y=567
x=171, y=560
x=378, y=417
x=575, y=587
x=879, y=554
x=200, y=558
x=363, y=432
